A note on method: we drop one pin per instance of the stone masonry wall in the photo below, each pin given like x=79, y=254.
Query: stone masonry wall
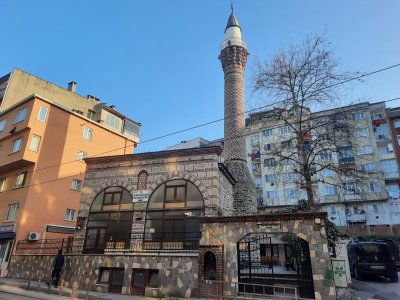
x=202, y=170
x=226, y=196
x=228, y=231
x=177, y=274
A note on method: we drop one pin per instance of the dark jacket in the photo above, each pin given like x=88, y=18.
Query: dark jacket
x=58, y=262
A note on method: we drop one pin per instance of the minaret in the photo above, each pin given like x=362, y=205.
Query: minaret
x=233, y=59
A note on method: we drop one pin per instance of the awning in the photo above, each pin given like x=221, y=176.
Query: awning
x=7, y=236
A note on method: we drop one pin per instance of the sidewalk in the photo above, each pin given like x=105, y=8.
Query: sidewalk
x=37, y=290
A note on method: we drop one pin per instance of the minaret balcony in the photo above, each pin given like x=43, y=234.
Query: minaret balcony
x=233, y=42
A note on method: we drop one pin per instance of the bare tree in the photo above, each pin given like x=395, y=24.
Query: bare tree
x=302, y=78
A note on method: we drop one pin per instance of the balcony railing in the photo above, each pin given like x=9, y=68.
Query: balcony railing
x=356, y=218
x=346, y=160
x=46, y=246
x=181, y=242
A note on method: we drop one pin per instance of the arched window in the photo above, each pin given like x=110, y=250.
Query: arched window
x=210, y=266
x=173, y=214
x=142, y=180
x=110, y=221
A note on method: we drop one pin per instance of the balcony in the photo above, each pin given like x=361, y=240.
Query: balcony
x=382, y=139
x=391, y=175
x=257, y=171
x=351, y=197
x=347, y=160
x=356, y=218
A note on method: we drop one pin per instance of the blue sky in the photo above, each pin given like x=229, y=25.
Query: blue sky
x=157, y=61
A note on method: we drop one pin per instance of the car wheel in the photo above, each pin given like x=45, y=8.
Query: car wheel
x=357, y=274
x=394, y=278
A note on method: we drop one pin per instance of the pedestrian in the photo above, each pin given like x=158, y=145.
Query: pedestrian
x=57, y=266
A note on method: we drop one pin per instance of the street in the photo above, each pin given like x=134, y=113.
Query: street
x=15, y=293
x=375, y=288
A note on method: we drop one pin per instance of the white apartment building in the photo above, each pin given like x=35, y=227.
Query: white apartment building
x=370, y=205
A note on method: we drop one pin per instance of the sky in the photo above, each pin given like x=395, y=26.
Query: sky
x=157, y=60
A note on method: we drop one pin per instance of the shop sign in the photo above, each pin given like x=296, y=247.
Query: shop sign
x=7, y=228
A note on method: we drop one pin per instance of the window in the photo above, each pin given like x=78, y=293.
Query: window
x=113, y=277
x=358, y=116
x=42, y=116
x=285, y=129
x=110, y=221
x=396, y=123
x=375, y=208
x=383, y=150
x=132, y=127
x=269, y=162
x=21, y=114
x=325, y=155
x=345, y=152
x=330, y=190
x=81, y=155
x=142, y=180
x=370, y=167
x=378, y=116
x=268, y=147
x=3, y=124
x=398, y=139
x=70, y=214
x=2, y=184
x=20, y=180
x=91, y=114
x=267, y=132
x=11, y=212
x=393, y=191
x=16, y=146
x=395, y=207
x=258, y=182
x=87, y=133
x=350, y=187
x=332, y=210
x=173, y=213
x=366, y=149
x=270, y=178
x=388, y=166
x=272, y=195
x=112, y=121
x=288, y=176
x=285, y=144
x=76, y=184
x=291, y=193
x=35, y=142
x=372, y=187
x=362, y=132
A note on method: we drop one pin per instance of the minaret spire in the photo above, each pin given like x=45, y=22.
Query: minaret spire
x=233, y=59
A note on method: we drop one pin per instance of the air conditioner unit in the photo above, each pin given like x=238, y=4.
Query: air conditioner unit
x=33, y=236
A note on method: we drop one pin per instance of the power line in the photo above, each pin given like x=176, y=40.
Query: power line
x=222, y=119
x=225, y=139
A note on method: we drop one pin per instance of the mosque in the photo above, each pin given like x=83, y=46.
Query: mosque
x=192, y=228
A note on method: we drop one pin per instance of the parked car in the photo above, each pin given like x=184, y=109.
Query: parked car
x=372, y=258
x=395, y=251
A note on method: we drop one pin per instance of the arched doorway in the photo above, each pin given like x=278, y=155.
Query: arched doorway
x=109, y=223
x=274, y=259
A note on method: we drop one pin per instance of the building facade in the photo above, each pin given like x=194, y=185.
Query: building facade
x=43, y=146
x=363, y=206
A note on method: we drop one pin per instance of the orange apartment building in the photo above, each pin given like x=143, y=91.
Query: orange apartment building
x=45, y=134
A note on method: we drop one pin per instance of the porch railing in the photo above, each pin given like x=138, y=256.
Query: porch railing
x=44, y=246
x=178, y=242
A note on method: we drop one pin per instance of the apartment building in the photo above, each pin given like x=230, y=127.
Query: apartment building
x=43, y=144
x=368, y=203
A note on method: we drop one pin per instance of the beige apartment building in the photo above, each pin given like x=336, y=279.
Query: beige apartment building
x=46, y=132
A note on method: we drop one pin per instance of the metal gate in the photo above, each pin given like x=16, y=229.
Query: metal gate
x=304, y=270
x=256, y=264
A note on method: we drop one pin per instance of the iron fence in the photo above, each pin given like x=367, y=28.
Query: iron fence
x=178, y=242
x=44, y=246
